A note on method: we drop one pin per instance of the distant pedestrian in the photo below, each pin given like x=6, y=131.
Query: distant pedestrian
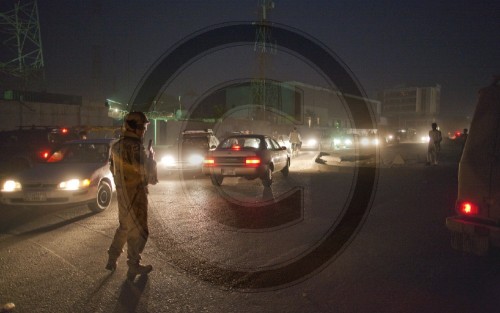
x=295, y=140
x=434, y=146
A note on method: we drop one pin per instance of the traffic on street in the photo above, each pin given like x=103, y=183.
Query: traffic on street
x=249, y=248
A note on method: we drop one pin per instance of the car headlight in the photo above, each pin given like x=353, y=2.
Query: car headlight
x=348, y=142
x=312, y=142
x=336, y=141
x=365, y=141
x=375, y=142
x=167, y=160
x=424, y=139
x=11, y=185
x=74, y=184
x=195, y=159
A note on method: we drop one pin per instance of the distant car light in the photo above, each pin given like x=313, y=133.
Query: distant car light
x=312, y=142
x=252, y=161
x=337, y=141
x=365, y=141
x=11, y=185
x=375, y=142
x=424, y=139
x=44, y=154
x=167, y=160
x=195, y=159
x=348, y=142
x=468, y=208
x=209, y=162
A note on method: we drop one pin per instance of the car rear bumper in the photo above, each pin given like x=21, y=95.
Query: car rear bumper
x=250, y=172
x=472, y=236
x=49, y=197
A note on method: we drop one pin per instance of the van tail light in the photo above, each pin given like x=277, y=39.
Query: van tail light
x=467, y=208
x=252, y=161
x=209, y=162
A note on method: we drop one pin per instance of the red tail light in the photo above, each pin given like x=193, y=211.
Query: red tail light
x=236, y=147
x=467, y=208
x=44, y=154
x=209, y=162
x=64, y=130
x=252, y=161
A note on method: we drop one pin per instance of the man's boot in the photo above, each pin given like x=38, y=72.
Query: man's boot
x=138, y=269
x=112, y=263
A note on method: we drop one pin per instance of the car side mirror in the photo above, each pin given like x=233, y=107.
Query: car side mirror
x=283, y=148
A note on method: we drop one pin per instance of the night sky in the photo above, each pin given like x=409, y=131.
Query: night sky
x=385, y=44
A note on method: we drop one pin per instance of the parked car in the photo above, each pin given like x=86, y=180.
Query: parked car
x=192, y=148
x=76, y=172
x=249, y=156
x=475, y=226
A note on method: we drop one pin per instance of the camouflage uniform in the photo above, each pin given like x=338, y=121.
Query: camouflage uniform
x=131, y=170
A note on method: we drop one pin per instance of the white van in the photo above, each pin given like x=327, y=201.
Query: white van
x=477, y=223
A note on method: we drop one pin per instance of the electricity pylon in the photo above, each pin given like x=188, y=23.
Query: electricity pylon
x=265, y=93
x=20, y=41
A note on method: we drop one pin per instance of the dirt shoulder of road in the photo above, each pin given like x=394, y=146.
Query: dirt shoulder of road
x=411, y=155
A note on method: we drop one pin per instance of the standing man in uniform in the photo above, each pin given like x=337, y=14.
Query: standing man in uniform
x=132, y=170
x=434, y=145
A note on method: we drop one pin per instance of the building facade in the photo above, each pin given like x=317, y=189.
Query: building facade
x=21, y=109
x=410, y=107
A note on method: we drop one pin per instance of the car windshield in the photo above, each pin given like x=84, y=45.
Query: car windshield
x=241, y=143
x=195, y=142
x=80, y=153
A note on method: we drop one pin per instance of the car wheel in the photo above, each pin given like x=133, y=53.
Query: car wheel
x=286, y=169
x=267, y=178
x=103, y=199
x=216, y=179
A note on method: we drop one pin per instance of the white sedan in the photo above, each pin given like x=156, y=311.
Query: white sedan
x=77, y=172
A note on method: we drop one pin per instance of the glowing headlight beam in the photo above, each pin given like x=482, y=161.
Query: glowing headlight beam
x=74, y=184
x=167, y=160
x=11, y=185
x=195, y=159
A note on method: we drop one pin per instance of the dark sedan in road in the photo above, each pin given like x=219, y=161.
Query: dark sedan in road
x=249, y=156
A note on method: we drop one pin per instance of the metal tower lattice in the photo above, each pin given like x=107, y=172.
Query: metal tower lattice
x=265, y=93
x=21, y=42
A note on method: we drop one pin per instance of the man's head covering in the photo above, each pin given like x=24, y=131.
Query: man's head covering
x=135, y=120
